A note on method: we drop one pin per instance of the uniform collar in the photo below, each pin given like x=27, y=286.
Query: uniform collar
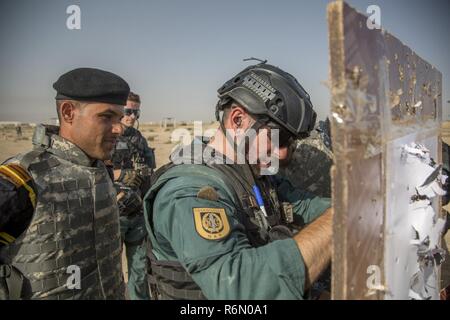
x=66, y=150
x=202, y=154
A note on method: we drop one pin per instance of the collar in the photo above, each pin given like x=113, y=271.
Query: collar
x=197, y=152
x=66, y=150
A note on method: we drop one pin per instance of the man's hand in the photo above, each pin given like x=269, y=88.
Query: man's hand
x=314, y=242
x=129, y=177
x=129, y=202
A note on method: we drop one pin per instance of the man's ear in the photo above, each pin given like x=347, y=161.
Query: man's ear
x=67, y=111
x=236, y=116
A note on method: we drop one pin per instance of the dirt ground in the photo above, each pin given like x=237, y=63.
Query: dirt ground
x=160, y=139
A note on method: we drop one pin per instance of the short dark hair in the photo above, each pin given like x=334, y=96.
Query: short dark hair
x=134, y=97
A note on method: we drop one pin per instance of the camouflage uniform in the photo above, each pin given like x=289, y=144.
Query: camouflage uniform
x=311, y=162
x=132, y=153
x=75, y=223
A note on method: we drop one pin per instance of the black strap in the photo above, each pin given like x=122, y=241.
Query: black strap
x=170, y=292
x=257, y=225
x=159, y=273
x=174, y=275
x=14, y=281
x=134, y=243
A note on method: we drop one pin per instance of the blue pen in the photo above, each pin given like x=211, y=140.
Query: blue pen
x=259, y=199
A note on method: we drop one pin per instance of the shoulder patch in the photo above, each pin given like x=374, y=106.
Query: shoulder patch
x=208, y=193
x=15, y=173
x=211, y=223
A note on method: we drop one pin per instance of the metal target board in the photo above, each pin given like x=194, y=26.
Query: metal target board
x=386, y=180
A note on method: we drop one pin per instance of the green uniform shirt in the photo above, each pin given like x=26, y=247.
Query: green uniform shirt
x=229, y=268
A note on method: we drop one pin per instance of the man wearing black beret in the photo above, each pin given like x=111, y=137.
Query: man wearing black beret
x=59, y=221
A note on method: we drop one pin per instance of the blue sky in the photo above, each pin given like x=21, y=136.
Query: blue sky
x=176, y=53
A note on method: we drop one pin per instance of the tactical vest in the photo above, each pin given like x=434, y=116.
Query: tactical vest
x=168, y=279
x=74, y=230
x=129, y=153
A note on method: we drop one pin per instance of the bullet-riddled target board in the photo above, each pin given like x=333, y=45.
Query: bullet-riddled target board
x=387, y=182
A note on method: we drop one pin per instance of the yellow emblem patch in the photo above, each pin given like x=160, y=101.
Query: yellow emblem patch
x=211, y=223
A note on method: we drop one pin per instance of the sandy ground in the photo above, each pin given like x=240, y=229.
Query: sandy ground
x=160, y=139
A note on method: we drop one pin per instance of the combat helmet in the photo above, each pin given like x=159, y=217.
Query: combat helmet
x=270, y=93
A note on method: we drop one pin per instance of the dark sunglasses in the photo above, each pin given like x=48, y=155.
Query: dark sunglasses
x=129, y=112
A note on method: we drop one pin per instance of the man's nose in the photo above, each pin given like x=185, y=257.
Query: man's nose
x=117, y=129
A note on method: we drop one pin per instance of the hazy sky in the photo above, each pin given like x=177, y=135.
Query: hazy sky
x=176, y=53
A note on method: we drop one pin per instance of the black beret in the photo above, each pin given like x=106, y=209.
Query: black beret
x=89, y=84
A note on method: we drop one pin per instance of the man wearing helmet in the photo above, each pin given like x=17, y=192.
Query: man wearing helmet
x=224, y=230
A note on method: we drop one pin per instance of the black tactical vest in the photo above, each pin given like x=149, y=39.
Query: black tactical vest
x=75, y=226
x=131, y=152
